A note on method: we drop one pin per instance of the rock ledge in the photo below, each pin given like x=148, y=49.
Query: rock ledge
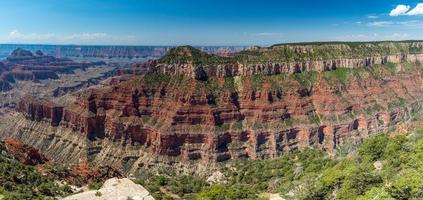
x=115, y=189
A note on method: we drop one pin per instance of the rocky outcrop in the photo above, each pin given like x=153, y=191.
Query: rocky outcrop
x=80, y=173
x=24, y=153
x=38, y=110
x=89, y=174
x=114, y=189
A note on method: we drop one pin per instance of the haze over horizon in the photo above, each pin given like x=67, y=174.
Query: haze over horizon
x=219, y=22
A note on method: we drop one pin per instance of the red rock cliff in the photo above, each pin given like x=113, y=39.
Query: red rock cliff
x=192, y=107
x=251, y=116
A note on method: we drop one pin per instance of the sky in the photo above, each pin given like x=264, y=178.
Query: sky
x=207, y=22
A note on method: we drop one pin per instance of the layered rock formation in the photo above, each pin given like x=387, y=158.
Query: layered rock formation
x=193, y=114
x=24, y=65
x=233, y=124
x=288, y=59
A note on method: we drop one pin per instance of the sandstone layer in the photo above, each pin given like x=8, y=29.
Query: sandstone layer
x=195, y=115
x=289, y=58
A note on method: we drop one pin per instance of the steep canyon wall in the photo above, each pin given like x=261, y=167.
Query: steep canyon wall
x=177, y=113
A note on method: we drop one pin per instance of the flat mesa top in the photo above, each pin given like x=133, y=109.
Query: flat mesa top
x=292, y=52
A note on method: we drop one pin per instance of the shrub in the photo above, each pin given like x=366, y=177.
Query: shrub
x=307, y=79
x=408, y=185
x=373, y=148
x=219, y=192
x=339, y=74
x=95, y=185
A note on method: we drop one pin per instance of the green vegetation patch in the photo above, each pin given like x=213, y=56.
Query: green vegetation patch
x=294, y=52
x=229, y=84
x=184, y=186
x=156, y=79
x=19, y=181
x=234, y=192
x=189, y=54
x=340, y=75
x=307, y=79
x=382, y=167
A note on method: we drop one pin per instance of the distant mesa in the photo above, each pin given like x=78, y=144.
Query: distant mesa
x=20, y=54
x=23, y=55
x=39, y=53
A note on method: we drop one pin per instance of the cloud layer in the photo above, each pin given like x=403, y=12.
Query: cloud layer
x=16, y=36
x=415, y=24
x=405, y=10
x=375, y=37
x=380, y=23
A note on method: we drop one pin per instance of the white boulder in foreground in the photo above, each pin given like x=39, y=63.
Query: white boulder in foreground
x=115, y=189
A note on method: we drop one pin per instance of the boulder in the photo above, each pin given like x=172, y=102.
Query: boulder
x=115, y=189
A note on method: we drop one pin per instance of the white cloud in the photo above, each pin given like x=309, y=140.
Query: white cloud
x=418, y=10
x=266, y=34
x=380, y=23
x=16, y=35
x=87, y=36
x=375, y=37
x=400, y=35
x=405, y=10
x=372, y=16
x=408, y=24
x=411, y=23
x=399, y=10
x=77, y=38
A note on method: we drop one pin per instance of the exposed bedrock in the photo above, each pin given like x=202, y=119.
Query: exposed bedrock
x=272, y=68
x=22, y=152
x=208, y=113
x=187, y=120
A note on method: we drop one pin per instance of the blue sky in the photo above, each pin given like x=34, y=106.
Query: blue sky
x=213, y=22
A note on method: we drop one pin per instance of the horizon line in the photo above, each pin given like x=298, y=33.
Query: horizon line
x=222, y=45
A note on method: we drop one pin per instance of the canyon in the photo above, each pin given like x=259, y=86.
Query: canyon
x=110, y=53
x=23, y=65
x=203, y=109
